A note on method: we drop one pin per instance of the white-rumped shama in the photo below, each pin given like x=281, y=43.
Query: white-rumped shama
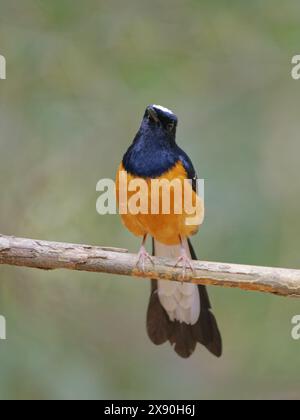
x=178, y=312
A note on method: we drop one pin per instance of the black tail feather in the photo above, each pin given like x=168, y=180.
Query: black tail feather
x=158, y=323
x=184, y=337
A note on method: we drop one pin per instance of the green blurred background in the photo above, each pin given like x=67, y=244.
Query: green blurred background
x=79, y=75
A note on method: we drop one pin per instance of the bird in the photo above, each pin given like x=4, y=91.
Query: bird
x=178, y=312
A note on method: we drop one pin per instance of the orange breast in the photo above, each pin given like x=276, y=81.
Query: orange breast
x=157, y=208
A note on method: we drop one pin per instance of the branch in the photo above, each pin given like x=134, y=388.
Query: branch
x=53, y=255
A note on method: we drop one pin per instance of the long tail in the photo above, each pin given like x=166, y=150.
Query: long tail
x=180, y=312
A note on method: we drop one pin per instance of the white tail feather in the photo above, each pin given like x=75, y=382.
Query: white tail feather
x=181, y=301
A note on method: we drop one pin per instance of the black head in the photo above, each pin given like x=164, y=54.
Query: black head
x=154, y=150
x=158, y=118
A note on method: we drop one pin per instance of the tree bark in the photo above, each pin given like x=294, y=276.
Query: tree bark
x=54, y=255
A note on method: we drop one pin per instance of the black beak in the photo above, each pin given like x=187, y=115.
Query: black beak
x=152, y=113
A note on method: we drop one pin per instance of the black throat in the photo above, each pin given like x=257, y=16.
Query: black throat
x=152, y=154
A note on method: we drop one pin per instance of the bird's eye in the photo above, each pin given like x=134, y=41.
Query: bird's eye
x=170, y=126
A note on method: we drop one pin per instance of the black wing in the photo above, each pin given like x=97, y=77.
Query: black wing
x=188, y=166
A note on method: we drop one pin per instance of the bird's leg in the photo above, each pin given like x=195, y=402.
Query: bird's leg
x=184, y=260
x=143, y=256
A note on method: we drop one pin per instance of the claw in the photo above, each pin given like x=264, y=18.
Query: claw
x=185, y=261
x=143, y=256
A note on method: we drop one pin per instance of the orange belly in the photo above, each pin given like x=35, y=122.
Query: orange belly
x=152, y=220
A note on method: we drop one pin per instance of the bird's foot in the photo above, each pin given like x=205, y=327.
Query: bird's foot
x=185, y=262
x=143, y=256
